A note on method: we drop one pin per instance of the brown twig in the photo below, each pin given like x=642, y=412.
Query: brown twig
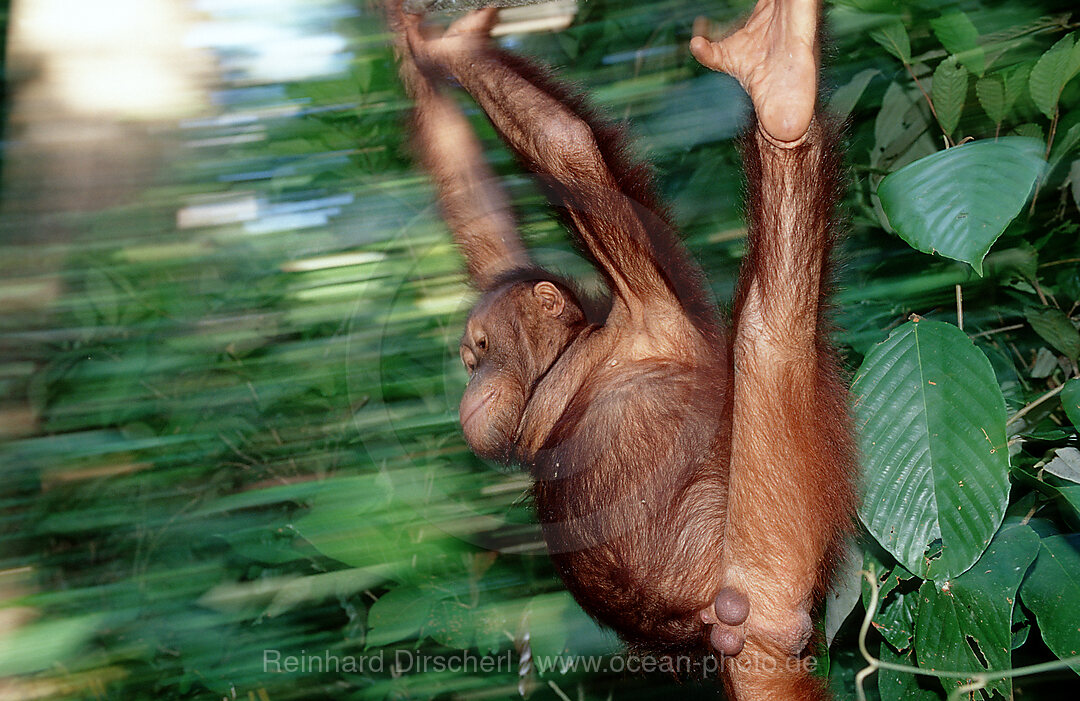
x=991, y=332
x=1049, y=395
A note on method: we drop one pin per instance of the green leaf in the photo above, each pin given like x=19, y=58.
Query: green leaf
x=935, y=463
x=845, y=97
x=453, y=624
x=894, y=37
x=493, y=620
x=1074, y=177
x=358, y=521
x=1053, y=69
x=1071, y=494
x=949, y=92
x=558, y=627
x=1070, y=400
x=900, y=129
x=889, y=123
x=398, y=614
x=1015, y=82
x=1052, y=592
x=957, y=202
x=1029, y=130
x=260, y=497
x=965, y=623
x=1063, y=146
x=895, y=617
x=1021, y=627
x=1055, y=328
x=847, y=585
x=547, y=614
x=991, y=94
x=957, y=34
x=894, y=685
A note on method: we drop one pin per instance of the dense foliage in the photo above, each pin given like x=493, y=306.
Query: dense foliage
x=232, y=454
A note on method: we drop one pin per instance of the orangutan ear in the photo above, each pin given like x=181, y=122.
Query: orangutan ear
x=550, y=298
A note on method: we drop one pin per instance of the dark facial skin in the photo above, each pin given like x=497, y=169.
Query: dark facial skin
x=512, y=337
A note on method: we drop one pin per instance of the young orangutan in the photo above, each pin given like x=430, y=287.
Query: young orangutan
x=691, y=480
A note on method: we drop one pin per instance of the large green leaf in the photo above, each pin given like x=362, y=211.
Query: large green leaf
x=934, y=482
x=1052, y=592
x=957, y=202
x=965, y=623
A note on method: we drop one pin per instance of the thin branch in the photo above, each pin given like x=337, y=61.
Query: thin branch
x=959, y=307
x=991, y=332
x=1039, y=291
x=1049, y=395
x=1049, y=144
x=558, y=692
x=1064, y=261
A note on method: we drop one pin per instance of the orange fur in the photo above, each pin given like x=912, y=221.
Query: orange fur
x=685, y=471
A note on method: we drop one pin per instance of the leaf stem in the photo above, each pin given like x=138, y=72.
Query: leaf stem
x=1049, y=145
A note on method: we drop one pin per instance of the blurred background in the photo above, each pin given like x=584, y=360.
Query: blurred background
x=229, y=317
